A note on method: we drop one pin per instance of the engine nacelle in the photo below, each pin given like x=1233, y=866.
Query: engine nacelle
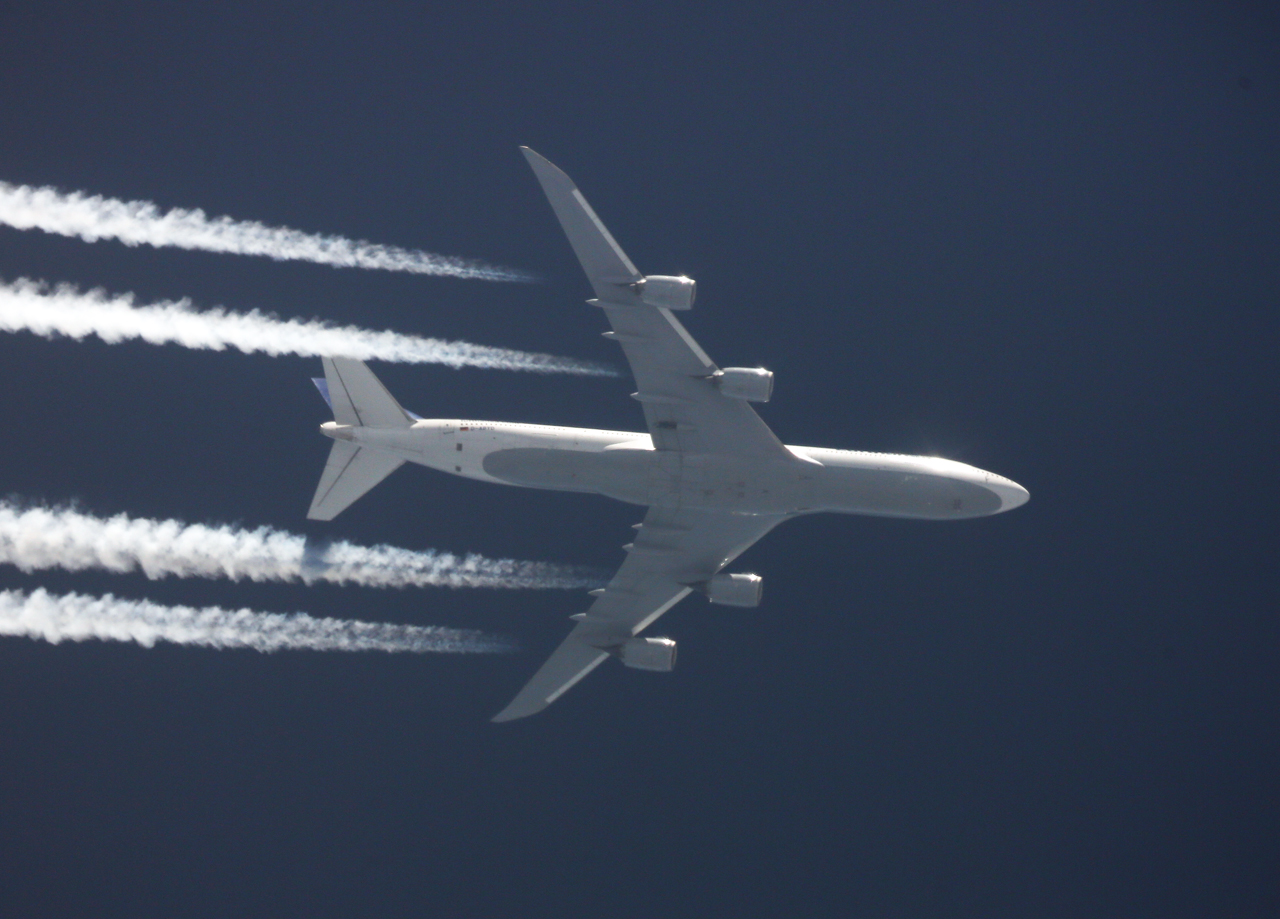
x=750, y=384
x=671, y=293
x=735, y=589
x=657, y=654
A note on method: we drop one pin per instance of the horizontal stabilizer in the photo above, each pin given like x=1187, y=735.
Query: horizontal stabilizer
x=349, y=474
x=358, y=398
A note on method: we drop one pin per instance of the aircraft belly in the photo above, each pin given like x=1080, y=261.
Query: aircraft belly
x=663, y=478
x=901, y=493
x=664, y=481
x=559, y=470
x=659, y=477
x=744, y=486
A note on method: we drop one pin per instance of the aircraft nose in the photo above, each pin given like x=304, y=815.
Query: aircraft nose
x=1010, y=493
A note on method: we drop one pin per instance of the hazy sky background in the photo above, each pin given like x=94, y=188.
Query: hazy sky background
x=1038, y=238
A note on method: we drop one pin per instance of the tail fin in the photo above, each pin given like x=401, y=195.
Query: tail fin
x=359, y=399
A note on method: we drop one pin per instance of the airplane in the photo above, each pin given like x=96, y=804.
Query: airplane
x=713, y=477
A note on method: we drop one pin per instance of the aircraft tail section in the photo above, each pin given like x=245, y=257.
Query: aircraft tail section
x=358, y=399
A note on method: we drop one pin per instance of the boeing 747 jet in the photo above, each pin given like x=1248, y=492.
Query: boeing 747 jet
x=712, y=475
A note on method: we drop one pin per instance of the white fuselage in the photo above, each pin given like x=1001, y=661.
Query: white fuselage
x=625, y=466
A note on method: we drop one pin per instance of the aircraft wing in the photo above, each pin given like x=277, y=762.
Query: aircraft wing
x=683, y=408
x=674, y=549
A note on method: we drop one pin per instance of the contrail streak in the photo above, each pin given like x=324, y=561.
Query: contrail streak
x=76, y=617
x=39, y=537
x=92, y=217
x=34, y=306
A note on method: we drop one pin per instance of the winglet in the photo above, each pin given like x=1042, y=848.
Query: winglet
x=606, y=265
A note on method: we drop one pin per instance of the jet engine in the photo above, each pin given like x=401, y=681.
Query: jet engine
x=650, y=654
x=751, y=384
x=671, y=293
x=735, y=589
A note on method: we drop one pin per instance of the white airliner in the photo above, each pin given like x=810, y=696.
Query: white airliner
x=713, y=476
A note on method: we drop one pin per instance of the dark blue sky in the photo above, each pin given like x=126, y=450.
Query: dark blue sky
x=1042, y=239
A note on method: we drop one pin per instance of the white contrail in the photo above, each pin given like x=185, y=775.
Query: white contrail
x=33, y=538
x=76, y=617
x=34, y=306
x=92, y=217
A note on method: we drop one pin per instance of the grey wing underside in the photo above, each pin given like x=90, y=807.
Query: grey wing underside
x=682, y=406
x=674, y=549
